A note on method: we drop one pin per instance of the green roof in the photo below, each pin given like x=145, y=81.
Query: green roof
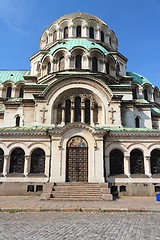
x=70, y=44
x=12, y=75
x=155, y=111
x=137, y=78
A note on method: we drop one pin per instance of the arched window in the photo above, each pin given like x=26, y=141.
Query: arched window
x=1, y=160
x=91, y=32
x=134, y=93
x=59, y=114
x=61, y=64
x=9, y=92
x=137, y=162
x=145, y=92
x=87, y=111
x=17, y=161
x=66, y=32
x=116, y=162
x=102, y=36
x=38, y=161
x=68, y=111
x=77, y=115
x=48, y=68
x=17, y=121
x=94, y=64
x=117, y=69
x=78, y=62
x=107, y=68
x=54, y=36
x=21, y=92
x=95, y=113
x=137, y=122
x=78, y=31
x=110, y=41
x=155, y=161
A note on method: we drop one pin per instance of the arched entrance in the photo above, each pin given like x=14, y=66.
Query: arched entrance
x=77, y=160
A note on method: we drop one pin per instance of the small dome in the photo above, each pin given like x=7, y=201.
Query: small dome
x=85, y=16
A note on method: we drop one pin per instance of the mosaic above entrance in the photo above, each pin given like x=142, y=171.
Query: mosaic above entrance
x=77, y=142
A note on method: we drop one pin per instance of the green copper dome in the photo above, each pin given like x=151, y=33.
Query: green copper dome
x=12, y=75
x=137, y=78
x=70, y=44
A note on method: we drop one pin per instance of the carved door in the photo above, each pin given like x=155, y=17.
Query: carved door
x=77, y=160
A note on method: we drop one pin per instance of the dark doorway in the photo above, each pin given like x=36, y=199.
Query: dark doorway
x=77, y=160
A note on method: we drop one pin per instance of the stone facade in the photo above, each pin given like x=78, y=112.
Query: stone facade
x=78, y=91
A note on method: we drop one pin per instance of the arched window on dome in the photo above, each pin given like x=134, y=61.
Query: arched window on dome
x=78, y=31
x=87, y=111
x=66, y=32
x=77, y=116
x=91, y=32
x=61, y=64
x=21, y=92
x=117, y=69
x=67, y=111
x=9, y=92
x=94, y=64
x=134, y=93
x=17, y=121
x=48, y=68
x=102, y=36
x=78, y=63
x=137, y=122
x=145, y=93
x=107, y=68
x=54, y=36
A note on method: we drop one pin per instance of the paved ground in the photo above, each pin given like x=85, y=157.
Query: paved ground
x=80, y=226
x=30, y=203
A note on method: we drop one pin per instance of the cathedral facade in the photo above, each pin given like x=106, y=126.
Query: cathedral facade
x=78, y=116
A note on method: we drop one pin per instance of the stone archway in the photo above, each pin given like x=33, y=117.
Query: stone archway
x=77, y=160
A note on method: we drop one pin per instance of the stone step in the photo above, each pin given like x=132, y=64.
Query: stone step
x=77, y=191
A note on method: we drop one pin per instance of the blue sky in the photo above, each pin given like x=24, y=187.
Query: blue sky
x=135, y=22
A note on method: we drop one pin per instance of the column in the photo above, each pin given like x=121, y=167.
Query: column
x=13, y=92
x=72, y=114
x=91, y=120
x=147, y=166
x=107, y=166
x=26, y=165
x=5, y=165
x=127, y=166
x=63, y=115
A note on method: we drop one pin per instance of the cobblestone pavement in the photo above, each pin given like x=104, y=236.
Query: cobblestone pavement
x=80, y=226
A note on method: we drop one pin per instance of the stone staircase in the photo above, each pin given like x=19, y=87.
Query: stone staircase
x=77, y=191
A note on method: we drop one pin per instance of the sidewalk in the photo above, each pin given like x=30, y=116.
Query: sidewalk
x=34, y=204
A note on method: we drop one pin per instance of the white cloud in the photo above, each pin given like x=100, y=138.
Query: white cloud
x=15, y=13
